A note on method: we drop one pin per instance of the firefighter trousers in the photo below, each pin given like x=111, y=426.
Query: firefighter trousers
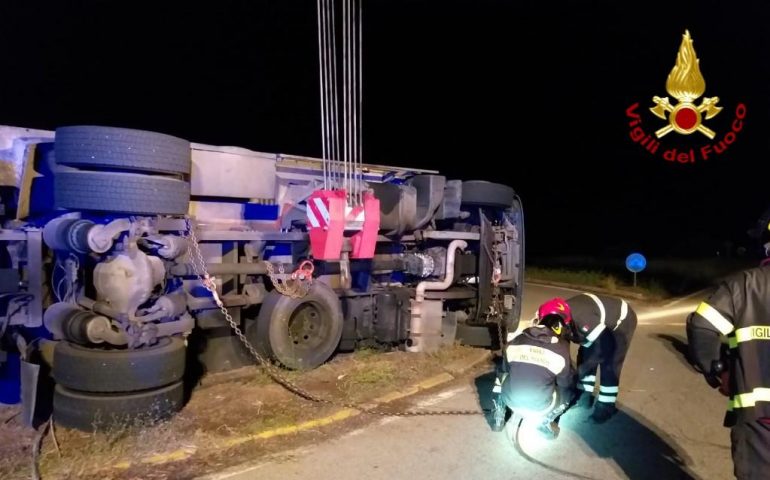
x=606, y=354
x=751, y=449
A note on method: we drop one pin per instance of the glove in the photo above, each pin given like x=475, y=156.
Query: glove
x=719, y=377
x=724, y=386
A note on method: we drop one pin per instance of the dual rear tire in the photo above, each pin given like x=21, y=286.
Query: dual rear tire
x=120, y=170
x=107, y=388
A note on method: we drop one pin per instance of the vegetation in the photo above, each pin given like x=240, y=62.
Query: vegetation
x=662, y=278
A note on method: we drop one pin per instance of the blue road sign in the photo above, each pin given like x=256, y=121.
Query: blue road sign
x=636, y=262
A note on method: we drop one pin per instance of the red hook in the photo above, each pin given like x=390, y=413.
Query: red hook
x=304, y=271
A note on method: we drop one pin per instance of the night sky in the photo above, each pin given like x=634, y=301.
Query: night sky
x=472, y=88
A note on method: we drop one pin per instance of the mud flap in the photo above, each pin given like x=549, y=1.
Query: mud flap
x=36, y=385
x=30, y=375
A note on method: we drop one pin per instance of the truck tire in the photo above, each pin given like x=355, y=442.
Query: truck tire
x=111, y=371
x=299, y=333
x=121, y=192
x=94, y=147
x=92, y=412
x=481, y=192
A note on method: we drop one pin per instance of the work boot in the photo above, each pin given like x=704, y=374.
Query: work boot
x=548, y=430
x=603, y=412
x=498, y=415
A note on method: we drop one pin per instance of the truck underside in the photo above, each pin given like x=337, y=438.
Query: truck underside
x=135, y=256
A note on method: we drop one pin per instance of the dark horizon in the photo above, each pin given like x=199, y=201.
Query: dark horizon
x=473, y=89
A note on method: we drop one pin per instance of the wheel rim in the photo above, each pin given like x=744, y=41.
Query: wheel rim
x=309, y=327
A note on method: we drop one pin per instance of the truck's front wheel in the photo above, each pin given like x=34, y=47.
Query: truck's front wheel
x=300, y=333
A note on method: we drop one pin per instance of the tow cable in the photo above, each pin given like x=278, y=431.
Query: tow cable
x=297, y=288
x=517, y=445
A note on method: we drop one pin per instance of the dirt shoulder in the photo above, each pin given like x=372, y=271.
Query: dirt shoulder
x=232, y=418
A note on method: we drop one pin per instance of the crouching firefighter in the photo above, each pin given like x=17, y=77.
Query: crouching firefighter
x=538, y=383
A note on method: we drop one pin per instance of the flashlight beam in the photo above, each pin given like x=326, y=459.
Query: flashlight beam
x=525, y=456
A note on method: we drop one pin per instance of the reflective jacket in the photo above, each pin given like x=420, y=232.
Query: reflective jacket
x=539, y=370
x=594, y=314
x=738, y=311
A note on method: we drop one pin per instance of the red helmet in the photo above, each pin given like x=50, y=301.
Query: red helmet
x=555, y=306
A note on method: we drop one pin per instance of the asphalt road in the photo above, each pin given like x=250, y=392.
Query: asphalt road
x=669, y=427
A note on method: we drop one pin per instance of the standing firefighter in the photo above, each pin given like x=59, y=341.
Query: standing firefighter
x=603, y=326
x=739, y=310
x=539, y=382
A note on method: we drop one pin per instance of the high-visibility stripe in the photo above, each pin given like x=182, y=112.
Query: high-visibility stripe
x=715, y=318
x=321, y=206
x=750, y=399
x=354, y=214
x=606, y=398
x=623, y=313
x=499, y=383
x=536, y=356
x=594, y=334
x=311, y=216
x=604, y=389
x=587, y=383
x=745, y=334
x=511, y=336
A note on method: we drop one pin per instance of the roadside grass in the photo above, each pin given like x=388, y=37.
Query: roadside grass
x=367, y=376
x=221, y=417
x=650, y=289
x=80, y=453
x=449, y=354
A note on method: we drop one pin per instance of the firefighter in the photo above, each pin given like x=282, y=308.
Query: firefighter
x=539, y=380
x=728, y=341
x=603, y=326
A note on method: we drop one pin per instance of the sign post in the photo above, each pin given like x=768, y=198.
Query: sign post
x=636, y=263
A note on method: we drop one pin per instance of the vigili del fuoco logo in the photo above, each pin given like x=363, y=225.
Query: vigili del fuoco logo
x=684, y=115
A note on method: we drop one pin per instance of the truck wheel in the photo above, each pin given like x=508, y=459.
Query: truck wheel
x=108, y=371
x=480, y=192
x=92, y=411
x=121, y=148
x=121, y=192
x=300, y=333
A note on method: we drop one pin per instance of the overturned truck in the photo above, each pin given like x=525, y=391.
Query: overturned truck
x=136, y=255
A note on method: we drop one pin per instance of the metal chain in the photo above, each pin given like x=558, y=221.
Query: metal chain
x=292, y=287
x=199, y=266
